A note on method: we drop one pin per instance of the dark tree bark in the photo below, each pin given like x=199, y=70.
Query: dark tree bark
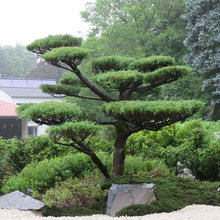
x=120, y=149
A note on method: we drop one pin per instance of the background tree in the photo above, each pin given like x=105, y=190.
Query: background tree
x=44, y=70
x=203, y=40
x=16, y=61
x=136, y=28
x=116, y=83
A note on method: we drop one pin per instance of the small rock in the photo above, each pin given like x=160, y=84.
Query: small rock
x=123, y=195
x=29, y=192
x=218, y=190
x=20, y=201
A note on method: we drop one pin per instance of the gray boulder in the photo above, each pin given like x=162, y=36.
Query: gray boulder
x=20, y=201
x=123, y=195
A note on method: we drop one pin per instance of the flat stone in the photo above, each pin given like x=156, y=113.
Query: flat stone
x=123, y=195
x=20, y=201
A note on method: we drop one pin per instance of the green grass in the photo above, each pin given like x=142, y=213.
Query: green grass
x=172, y=194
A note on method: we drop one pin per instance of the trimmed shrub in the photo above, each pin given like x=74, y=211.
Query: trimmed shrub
x=44, y=175
x=192, y=143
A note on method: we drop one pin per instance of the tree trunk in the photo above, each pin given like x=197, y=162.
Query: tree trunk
x=216, y=113
x=119, y=151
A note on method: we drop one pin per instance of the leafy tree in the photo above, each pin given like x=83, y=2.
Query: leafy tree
x=203, y=40
x=114, y=82
x=136, y=28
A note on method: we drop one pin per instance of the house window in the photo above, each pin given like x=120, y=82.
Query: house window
x=10, y=128
x=32, y=131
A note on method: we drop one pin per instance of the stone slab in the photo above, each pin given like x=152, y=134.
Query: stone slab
x=123, y=195
x=19, y=201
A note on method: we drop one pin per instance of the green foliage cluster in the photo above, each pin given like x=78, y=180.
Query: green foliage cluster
x=142, y=166
x=73, y=130
x=192, y=143
x=71, y=55
x=148, y=112
x=152, y=63
x=53, y=112
x=197, y=149
x=122, y=80
x=44, y=175
x=51, y=42
x=20, y=153
x=167, y=74
x=68, y=90
x=174, y=194
x=111, y=63
x=3, y=160
x=75, y=193
x=15, y=154
x=119, y=80
x=70, y=79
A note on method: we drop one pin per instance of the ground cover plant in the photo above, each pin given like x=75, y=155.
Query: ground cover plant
x=114, y=84
x=172, y=193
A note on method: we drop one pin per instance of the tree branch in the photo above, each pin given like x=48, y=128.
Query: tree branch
x=105, y=122
x=77, y=96
x=92, y=87
x=83, y=148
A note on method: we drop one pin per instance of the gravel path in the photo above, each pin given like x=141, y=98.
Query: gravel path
x=193, y=212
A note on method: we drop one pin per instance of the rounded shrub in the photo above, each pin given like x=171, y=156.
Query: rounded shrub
x=44, y=175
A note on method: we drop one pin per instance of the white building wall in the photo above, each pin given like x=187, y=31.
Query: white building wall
x=5, y=97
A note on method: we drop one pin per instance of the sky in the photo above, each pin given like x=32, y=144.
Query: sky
x=23, y=21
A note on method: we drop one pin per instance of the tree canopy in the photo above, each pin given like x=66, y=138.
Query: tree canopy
x=137, y=28
x=113, y=84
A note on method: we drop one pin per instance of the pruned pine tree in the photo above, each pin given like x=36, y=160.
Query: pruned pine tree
x=112, y=83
